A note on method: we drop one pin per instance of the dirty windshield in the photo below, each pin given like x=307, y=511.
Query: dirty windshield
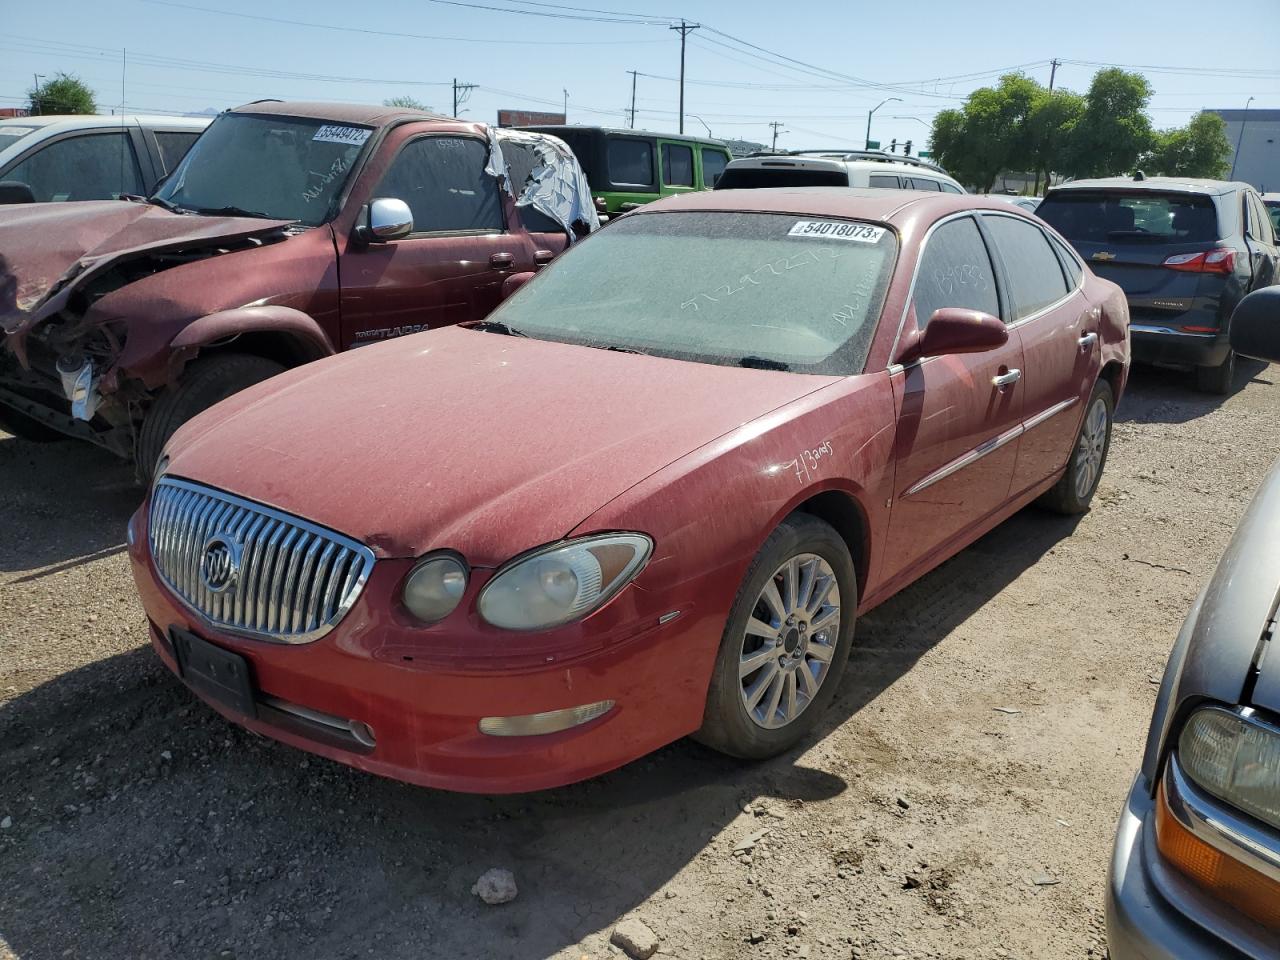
x=785, y=292
x=285, y=168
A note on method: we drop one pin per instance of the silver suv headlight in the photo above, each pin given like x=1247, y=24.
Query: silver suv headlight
x=1236, y=758
x=563, y=582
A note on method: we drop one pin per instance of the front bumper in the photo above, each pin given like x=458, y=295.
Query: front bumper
x=1142, y=921
x=425, y=715
x=1151, y=343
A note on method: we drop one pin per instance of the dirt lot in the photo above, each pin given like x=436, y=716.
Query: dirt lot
x=921, y=822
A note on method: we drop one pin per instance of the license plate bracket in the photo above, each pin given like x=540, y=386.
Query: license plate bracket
x=215, y=673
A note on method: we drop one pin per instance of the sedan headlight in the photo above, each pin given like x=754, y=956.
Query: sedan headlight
x=434, y=588
x=563, y=582
x=1235, y=758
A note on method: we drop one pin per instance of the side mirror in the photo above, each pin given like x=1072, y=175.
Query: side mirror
x=386, y=218
x=957, y=330
x=515, y=282
x=1255, y=325
x=15, y=191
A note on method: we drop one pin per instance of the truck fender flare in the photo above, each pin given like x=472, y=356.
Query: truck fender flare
x=295, y=324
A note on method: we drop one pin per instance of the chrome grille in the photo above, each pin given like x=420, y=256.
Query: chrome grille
x=275, y=576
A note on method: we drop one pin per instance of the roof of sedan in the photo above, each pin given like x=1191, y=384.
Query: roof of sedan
x=1166, y=184
x=366, y=114
x=862, y=204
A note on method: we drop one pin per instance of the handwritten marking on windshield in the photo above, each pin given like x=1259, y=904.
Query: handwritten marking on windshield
x=336, y=169
x=821, y=255
x=806, y=464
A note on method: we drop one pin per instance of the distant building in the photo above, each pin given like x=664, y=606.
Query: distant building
x=529, y=118
x=1259, y=159
x=7, y=113
x=741, y=148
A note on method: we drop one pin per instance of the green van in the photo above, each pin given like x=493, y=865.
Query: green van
x=626, y=168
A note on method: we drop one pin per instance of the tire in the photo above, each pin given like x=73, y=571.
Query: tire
x=818, y=553
x=1072, y=493
x=205, y=381
x=28, y=428
x=1217, y=380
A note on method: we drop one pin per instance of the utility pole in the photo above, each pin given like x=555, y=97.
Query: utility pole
x=776, y=124
x=1048, y=173
x=685, y=29
x=38, y=104
x=634, y=74
x=871, y=113
x=460, y=93
x=1240, y=139
x=566, y=104
x=1053, y=71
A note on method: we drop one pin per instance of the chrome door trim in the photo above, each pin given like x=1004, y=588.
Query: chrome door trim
x=967, y=459
x=1214, y=823
x=1043, y=415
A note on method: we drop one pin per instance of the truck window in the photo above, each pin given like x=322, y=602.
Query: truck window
x=97, y=166
x=713, y=164
x=442, y=179
x=631, y=162
x=677, y=165
x=174, y=146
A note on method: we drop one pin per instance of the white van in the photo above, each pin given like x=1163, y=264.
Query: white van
x=828, y=168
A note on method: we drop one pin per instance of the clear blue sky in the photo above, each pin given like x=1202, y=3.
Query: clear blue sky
x=192, y=55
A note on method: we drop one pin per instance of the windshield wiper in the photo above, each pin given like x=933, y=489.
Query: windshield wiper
x=625, y=350
x=171, y=207
x=231, y=212
x=763, y=363
x=496, y=326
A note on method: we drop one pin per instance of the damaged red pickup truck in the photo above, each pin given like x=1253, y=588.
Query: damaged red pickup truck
x=289, y=232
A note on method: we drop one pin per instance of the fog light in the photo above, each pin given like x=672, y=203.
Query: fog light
x=534, y=724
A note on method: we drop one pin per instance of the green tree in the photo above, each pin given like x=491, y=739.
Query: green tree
x=1200, y=149
x=1052, y=117
x=1114, y=130
x=409, y=103
x=64, y=94
x=990, y=133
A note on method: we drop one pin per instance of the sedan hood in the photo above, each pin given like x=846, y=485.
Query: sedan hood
x=458, y=438
x=44, y=246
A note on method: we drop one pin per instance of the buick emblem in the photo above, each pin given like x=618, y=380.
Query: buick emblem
x=220, y=563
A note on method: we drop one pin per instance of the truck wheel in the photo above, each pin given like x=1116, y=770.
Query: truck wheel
x=1072, y=493
x=28, y=428
x=205, y=381
x=786, y=643
x=1217, y=380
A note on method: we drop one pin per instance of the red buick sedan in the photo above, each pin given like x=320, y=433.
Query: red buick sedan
x=647, y=498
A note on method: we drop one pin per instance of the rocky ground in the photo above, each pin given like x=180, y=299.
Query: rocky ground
x=959, y=801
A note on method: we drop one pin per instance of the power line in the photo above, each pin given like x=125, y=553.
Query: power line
x=555, y=16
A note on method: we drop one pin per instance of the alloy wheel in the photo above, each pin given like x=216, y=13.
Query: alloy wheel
x=790, y=641
x=1090, y=449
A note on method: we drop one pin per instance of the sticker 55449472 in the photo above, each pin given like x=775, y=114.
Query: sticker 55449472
x=836, y=230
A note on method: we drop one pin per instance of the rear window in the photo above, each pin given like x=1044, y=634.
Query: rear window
x=631, y=162
x=1110, y=217
x=752, y=178
x=713, y=164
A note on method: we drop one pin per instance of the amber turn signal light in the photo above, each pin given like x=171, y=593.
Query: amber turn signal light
x=1253, y=894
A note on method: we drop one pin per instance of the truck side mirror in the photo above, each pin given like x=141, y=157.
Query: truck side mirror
x=15, y=191
x=385, y=218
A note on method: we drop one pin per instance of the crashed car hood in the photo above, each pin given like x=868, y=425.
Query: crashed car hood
x=483, y=443
x=42, y=243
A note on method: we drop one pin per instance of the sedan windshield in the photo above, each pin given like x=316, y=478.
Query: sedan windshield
x=284, y=168
x=783, y=292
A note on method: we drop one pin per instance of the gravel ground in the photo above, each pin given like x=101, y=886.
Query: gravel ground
x=922, y=821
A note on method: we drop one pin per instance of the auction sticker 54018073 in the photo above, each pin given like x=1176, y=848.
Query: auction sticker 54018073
x=837, y=230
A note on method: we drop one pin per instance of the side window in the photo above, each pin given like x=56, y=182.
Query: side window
x=442, y=179
x=677, y=165
x=1035, y=274
x=1069, y=262
x=1261, y=222
x=883, y=180
x=96, y=166
x=955, y=271
x=174, y=146
x=713, y=164
x=949, y=188
x=922, y=183
x=522, y=160
x=631, y=162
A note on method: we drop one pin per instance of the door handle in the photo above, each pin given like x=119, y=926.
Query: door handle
x=1007, y=379
x=502, y=261
x=542, y=257
x=1088, y=340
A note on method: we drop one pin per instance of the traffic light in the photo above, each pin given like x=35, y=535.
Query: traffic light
x=893, y=145
x=907, y=148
